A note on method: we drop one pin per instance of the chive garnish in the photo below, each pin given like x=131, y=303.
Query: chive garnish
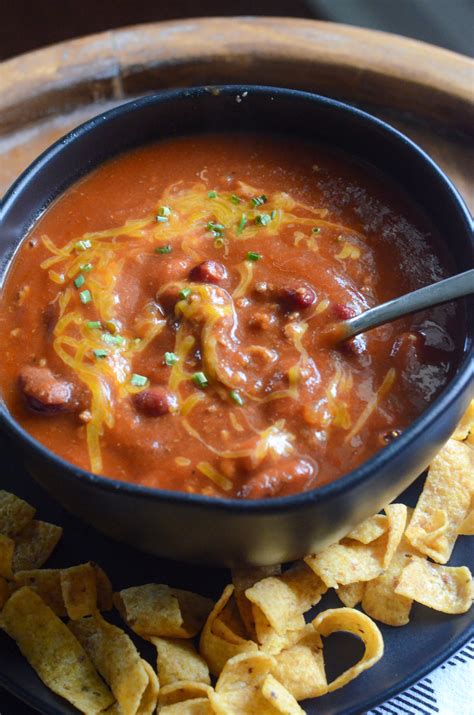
x=215, y=228
x=235, y=199
x=83, y=245
x=316, y=229
x=236, y=397
x=170, y=359
x=273, y=214
x=163, y=249
x=79, y=281
x=259, y=200
x=87, y=267
x=85, y=296
x=138, y=380
x=184, y=293
x=112, y=339
x=218, y=242
x=253, y=256
x=200, y=379
x=242, y=223
x=164, y=211
x=263, y=219
x=212, y=194
x=162, y=219
x=99, y=354
x=94, y=324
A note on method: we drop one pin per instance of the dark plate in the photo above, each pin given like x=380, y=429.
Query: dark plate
x=410, y=652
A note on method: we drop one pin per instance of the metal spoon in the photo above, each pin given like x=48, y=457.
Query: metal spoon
x=435, y=294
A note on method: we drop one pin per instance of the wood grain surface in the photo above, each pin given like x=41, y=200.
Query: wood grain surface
x=424, y=90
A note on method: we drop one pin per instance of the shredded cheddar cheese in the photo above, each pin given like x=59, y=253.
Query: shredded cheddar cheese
x=103, y=361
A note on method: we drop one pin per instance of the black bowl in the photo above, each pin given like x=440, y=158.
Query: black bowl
x=229, y=531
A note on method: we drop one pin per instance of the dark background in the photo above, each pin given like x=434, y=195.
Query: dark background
x=29, y=24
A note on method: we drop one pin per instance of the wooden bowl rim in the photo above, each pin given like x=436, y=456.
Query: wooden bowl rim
x=347, y=62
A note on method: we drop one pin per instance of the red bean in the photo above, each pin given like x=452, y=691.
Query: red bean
x=43, y=391
x=297, y=297
x=343, y=312
x=154, y=402
x=208, y=272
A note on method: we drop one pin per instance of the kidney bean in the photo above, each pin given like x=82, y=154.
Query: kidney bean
x=154, y=402
x=208, y=272
x=297, y=297
x=44, y=392
x=343, y=312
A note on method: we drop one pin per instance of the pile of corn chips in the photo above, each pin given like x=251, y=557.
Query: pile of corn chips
x=254, y=644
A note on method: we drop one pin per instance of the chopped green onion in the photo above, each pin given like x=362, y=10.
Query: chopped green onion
x=200, y=379
x=263, y=219
x=236, y=397
x=215, y=228
x=113, y=339
x=138, y=380
x=185, y=293
x=170, y=359
x=316, y=229
x=259, y=200
x=219, y=242
x=79, y=281
x=253, y=256
x=83, y=245
x=242, y=223
x=164, y=211
x=235, y=199
x=100, y=353
x=212, y=194
x=273, y=214
x=93, y=324
x=87, y=267
x=162, y=219
x=163, y=249
x=85, y=296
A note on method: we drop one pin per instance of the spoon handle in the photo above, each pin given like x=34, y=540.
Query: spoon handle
x=435, y=294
